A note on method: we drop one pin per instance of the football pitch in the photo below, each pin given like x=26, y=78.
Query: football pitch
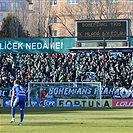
x=68, y=120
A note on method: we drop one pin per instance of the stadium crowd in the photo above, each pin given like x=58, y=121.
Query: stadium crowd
x=111, y=70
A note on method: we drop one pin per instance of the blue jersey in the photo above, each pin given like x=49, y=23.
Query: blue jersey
x=20, y=97
x=19, y=91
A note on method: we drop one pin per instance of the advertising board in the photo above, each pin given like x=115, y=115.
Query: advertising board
x=84, y=103
x=122, y=103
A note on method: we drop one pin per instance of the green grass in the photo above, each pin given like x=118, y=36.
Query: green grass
x=68, y=120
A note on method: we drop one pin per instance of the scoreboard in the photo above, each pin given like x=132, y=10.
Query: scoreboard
x=116, y=30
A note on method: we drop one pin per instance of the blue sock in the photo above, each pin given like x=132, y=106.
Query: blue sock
x=21, y=115
x=13, y=112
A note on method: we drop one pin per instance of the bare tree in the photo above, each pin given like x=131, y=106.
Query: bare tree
x=87, y=10
x=23, y=13
x=39, y=18
x=38, y=22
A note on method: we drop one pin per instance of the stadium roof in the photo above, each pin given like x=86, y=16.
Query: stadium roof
x=115, y=49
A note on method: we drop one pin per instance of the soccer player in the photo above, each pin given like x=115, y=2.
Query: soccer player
x=18, y=98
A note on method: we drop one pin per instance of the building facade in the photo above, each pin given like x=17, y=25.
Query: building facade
x=12, y=6
x=43, y=18
x=61, y=14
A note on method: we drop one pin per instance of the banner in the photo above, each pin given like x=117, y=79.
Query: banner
x=5, y=92
x=83, y=103
x=88, y=92
x=36, y=45
x=115, y=93
x=70, y=92
x=122, y=103
x=81, y=92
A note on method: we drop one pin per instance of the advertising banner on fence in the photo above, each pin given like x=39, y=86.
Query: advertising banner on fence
x=122, y=103
x=84, y=103
x=35, y=102
x=50, y=102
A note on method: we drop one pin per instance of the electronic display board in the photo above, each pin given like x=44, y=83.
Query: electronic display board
x=99, y=30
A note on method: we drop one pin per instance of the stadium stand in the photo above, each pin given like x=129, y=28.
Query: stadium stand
x=111, y=70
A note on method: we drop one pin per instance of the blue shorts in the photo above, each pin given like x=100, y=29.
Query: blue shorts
x=19, y=101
